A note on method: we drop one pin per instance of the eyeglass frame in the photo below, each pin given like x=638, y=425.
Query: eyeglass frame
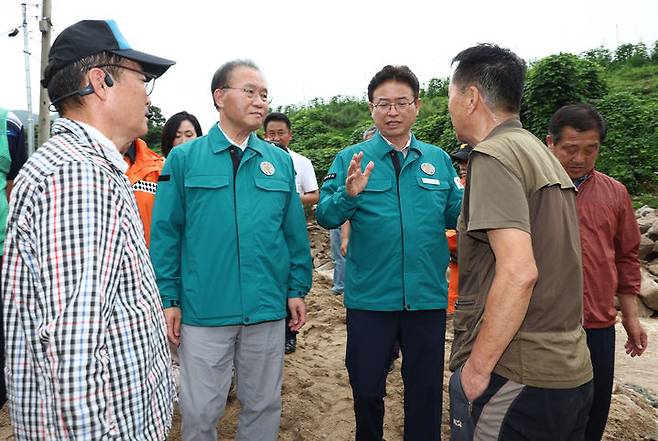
x=149, y=79
x=250, y=91
x=387, y=107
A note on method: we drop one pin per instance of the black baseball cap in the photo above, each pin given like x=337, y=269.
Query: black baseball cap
x=462, y=153
x=89, y=37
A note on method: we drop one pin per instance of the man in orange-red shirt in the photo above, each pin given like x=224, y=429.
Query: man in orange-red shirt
x=144, y=167
x=610, y=239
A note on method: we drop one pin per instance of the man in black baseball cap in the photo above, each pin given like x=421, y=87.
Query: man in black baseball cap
x=87, y=354
x=461, y=156
x=84, y=44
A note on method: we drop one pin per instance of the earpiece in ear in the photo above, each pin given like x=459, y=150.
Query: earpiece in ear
x=109, y=82
x=87, y=90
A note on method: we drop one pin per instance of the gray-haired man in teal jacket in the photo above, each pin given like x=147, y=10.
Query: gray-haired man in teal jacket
x=230, y=250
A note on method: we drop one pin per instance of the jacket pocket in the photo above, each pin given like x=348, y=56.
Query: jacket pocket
x=205, y=197
x=272, y=184
x=378, y=185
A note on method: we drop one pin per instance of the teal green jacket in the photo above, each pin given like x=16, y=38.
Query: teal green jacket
x=5, y=164
x=229, y=252
x=398, y=252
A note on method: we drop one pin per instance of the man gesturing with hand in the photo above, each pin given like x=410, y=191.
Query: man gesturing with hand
x=399, y=195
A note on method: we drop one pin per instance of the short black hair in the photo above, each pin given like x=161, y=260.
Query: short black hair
x=221, y=76
x=276, y=116
x=171, y=127
x=581, y=117
x=498, y=74
x=72, y=77
x=401, y=74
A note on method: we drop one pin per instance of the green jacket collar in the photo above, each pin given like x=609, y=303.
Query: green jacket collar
x=219, y=143
x=382, y=148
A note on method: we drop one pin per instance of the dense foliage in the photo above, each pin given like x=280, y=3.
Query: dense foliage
x=623, y=84
x=153, y=137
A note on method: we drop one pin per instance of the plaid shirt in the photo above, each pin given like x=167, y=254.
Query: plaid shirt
x=87, y=356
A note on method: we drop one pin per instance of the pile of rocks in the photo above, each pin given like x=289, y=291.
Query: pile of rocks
x=647, y=219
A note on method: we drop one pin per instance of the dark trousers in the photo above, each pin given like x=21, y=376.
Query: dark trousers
x=601, y=343
x=290, y=335
x=370, y=339
x=510, y=411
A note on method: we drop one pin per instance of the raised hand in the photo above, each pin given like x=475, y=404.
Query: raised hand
x=357, y=179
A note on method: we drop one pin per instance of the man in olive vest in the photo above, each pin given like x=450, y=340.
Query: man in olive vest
x=519, y=351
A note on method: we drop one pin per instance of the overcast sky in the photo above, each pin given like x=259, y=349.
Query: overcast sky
x=309, y=49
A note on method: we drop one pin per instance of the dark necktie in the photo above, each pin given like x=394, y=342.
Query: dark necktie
x=395, y=157
x=236, y=156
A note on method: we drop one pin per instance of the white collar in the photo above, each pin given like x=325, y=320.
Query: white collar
x=404, y=150
x=242, y=146
x=109, y=148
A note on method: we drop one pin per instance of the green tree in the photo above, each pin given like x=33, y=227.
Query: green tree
x=630, y=151
x=624, y=53
x=640, y=54
x=555, y=81
x=600, y=56
x=154, y=135
x=322, y=128
x=436, y=87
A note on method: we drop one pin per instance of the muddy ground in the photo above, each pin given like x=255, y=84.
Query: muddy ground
x=317, y=401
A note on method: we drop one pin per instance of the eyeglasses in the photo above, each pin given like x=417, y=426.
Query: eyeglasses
x=251, y=93
x=401, y=106
x=149, y=80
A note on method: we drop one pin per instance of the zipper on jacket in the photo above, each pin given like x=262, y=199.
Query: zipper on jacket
x=398, y=169
x=235, y=159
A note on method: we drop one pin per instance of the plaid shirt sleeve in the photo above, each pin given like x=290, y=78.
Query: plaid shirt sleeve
x=64, y=266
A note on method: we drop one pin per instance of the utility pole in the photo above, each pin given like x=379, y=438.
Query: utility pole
x=28, y=86
x=45, y=26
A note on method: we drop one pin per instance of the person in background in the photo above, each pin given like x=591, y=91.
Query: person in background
x=144, y=167
x=278, y=130
x=519, y=354
x=230, y=250
x=610, y=240
x=179, y=128
x=87, y=355
x=13, y=154
x=461, y=158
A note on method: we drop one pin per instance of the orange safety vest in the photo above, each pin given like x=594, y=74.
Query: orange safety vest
x=453, y=282
x=143, y=175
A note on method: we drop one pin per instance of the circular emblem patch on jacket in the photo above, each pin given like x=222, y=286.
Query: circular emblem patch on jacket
x=427, y=168
x=267, y=168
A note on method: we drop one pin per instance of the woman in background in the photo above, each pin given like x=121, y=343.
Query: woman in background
x=180, y=128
